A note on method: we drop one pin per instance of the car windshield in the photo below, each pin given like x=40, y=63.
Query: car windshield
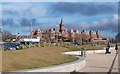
x=10, y=44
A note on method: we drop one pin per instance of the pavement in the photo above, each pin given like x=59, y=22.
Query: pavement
x=101, y=62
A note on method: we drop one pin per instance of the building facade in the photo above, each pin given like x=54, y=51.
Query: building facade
x=71, y=35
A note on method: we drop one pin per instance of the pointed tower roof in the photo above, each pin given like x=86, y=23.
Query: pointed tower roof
x=61, y=21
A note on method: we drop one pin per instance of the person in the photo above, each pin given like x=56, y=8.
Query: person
x=108, y=45
x=116, y=47
x=107, y=48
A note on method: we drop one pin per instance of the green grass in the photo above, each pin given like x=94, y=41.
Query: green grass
x=34, y=58
x=87, y=47
x=37, y=57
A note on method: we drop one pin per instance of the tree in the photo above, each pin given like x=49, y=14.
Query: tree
x=6, y=35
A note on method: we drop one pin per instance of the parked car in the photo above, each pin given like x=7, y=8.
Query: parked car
x=10, y=46
x=25, y=43
x=76, y=43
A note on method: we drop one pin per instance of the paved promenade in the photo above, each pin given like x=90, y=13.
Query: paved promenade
x=101, y=62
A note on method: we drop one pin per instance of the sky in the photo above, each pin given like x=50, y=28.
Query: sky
x=17, y=17
x=60, y=0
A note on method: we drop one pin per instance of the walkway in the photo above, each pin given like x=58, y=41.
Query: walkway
x=100, y=62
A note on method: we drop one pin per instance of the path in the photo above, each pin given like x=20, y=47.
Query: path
x=100, y=62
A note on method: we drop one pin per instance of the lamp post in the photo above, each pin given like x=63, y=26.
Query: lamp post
x=31, y=29
x=31, y=26
x=39, y=36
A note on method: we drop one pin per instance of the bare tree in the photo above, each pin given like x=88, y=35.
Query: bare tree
x=6, y=35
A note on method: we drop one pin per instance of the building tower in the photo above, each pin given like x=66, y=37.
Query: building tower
x=90, y=34
x=62, y=27
x=97, y=34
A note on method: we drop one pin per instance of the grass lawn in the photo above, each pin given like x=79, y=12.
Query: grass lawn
x=40, y=57
x=88, y=47
x=34, y=58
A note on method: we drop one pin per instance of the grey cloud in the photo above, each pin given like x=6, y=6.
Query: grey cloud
x=110, y=25
x=8, y=21
x=18, y=22
x=10, y=12
x=106, y=27
x=87, y=9
x=24, y=23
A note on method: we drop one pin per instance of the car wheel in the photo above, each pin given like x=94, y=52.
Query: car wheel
x=8, y=49
x=5, y=49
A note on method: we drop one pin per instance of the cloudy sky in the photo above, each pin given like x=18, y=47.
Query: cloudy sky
x=101, y=16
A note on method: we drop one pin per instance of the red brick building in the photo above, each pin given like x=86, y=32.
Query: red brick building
x=53, y=35
x=36, y=33
x=83, y=36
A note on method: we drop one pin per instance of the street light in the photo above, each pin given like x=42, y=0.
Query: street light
x=31, y=26
x=39, y=36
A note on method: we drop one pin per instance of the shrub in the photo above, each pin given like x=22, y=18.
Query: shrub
x=23, y=47
x=44, y=44
x=37, y=45
x=57, y=44
x=20, y=47
x=31, y=46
